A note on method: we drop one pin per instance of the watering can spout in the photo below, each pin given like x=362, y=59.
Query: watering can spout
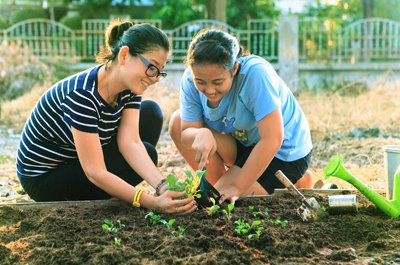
x=336, y=169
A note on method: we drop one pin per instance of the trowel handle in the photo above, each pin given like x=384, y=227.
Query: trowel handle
x=289, y=185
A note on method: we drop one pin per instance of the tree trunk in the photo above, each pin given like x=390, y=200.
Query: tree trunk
x=216, y=10
x=368, y=8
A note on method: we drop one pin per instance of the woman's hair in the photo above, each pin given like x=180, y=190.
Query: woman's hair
x=214, y=47
x=139, y=38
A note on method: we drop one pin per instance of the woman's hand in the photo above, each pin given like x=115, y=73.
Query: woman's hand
x=204, y=146
x=168, y=202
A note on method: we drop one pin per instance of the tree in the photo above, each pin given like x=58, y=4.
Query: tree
x=176, y=12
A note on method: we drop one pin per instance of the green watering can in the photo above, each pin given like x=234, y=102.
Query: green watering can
x=389, y=207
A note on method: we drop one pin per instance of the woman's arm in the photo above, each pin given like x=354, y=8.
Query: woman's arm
x=271, y=137
x=90, y=156
x=133, y=150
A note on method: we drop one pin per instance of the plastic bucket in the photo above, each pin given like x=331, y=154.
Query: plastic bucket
x=391, y=162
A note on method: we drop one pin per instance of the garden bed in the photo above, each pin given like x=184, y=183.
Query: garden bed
x=72, y=233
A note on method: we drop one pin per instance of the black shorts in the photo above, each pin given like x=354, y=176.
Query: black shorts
x=294, y=170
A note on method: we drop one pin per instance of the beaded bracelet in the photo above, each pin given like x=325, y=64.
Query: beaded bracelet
x=159, y=186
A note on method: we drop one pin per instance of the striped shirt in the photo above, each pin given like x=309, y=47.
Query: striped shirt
x=46, y=141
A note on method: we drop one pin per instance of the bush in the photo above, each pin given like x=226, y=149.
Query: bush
x=72, y=21
x=19, y=71
x=27, y=13
x=3, y=23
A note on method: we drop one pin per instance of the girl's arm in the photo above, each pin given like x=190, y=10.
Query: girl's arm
x=271, y=137
x=200, y=139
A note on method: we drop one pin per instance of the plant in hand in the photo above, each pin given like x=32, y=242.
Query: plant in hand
x=189, y=184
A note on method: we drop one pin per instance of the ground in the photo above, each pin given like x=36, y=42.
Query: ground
x=72, y=233
x=353, y=126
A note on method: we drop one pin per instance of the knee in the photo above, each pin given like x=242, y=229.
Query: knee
x=306, y=181
x=152, y=110
x=174, y=127
x=151, y=150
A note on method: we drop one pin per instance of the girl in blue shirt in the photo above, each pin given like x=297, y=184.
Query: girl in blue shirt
x=239, y=120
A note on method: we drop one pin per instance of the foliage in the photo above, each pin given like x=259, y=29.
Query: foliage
x=153, y=218
x=27, y=13
x=3, y=23
x=73, y=22
x=20, y=70
x=167, y=12
x=239, y=11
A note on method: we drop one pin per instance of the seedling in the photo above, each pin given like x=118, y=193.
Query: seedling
x=228, y=213
x=243, y=227
x=109, y=226
x=181, y=231
x=279, y=221
x=117, y=241
x=258, y=233
x=214, y=208
x=153, y=218
x=264, y=213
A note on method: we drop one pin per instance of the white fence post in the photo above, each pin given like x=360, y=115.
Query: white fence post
x=289, y=51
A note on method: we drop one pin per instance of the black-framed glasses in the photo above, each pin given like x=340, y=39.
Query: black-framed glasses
x=152, y=70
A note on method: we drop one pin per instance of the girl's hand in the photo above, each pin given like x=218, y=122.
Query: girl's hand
x=168, y=202
x=204, y=146
x=230, y=193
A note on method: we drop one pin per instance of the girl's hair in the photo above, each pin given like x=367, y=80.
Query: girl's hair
x=139, y=38
x=214, y=47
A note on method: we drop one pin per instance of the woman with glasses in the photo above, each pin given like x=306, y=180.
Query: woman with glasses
x=91, y=137
x=239, y=120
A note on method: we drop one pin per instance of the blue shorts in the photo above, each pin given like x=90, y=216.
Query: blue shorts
x=294, y=170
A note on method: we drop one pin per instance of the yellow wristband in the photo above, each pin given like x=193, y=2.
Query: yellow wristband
x=136, y=198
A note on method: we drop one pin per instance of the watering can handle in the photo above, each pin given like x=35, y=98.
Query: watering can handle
x=289, y=185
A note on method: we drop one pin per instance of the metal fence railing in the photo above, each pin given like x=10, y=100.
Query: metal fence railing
x=319, y=41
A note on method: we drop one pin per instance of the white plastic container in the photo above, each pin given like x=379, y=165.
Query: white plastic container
x=391, y=162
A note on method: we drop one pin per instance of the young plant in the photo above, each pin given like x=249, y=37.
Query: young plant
x=117, y=241
x=257, y=234
x=280, y=222
x=214, y=208
x=153, y=218
x=243, y=227
x=109, y=226
x=264, y=213
x=181, y=231
x=228, y=212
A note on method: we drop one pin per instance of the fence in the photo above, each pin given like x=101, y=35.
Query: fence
x=290, y=43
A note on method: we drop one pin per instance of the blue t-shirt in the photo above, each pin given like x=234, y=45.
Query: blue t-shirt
x=257, y=90
x=47, y=142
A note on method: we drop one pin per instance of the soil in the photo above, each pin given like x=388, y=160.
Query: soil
x=72, y=233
